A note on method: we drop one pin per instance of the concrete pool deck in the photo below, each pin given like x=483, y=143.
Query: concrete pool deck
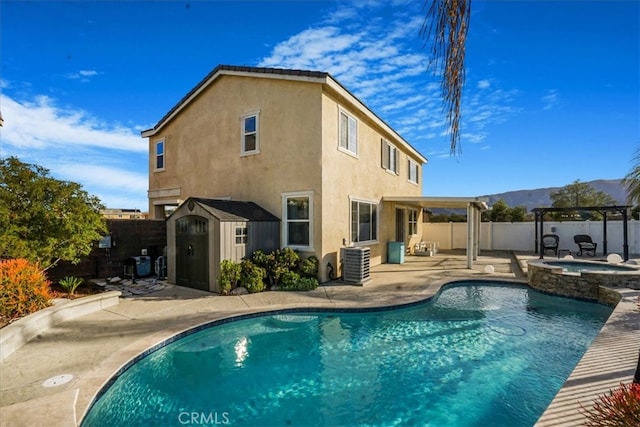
x=93, y=347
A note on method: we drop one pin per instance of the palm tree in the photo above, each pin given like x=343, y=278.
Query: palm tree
x=446, y=26
x=632, y=180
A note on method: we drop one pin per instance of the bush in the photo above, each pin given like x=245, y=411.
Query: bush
x=291, y=281
x=276, y=263
x=70, y=284
x=252, y=276
x=620, y=408
x=309, y=267
x=230, y=272
x=24, y=289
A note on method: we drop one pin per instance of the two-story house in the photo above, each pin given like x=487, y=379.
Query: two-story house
x=300, y=146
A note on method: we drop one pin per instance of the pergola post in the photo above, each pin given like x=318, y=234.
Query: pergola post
x=470, y=235
x=625, y=242
x=541, y=247
x=604, y=234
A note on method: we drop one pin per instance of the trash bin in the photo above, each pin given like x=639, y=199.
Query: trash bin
x=137, y=266
x=395, y=254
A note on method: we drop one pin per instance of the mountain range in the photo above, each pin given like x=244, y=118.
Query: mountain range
x=541, y=196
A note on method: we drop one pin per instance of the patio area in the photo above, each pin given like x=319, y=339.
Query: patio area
x=92, y=347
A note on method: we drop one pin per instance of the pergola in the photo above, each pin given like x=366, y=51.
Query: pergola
x=473, y=205
x=539, y=215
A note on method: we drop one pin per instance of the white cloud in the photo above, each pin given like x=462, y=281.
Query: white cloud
x=82, y=75
x=41, y=124
x=483, y=84
x=74, y=146
x=550, y=100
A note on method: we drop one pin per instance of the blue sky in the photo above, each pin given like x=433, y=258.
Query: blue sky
x=552, y=92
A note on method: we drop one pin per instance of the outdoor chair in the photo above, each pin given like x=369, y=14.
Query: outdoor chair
x=585, y=244
x=550, y=243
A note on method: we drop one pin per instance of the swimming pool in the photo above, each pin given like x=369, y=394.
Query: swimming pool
x=476, y=354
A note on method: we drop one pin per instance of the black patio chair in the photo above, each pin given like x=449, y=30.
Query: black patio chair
x=585, y=244
x=550, y=242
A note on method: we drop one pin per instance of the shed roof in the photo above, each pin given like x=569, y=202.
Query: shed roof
x=233, y=210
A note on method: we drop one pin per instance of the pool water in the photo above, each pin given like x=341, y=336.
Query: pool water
x=474, y=355
x=577, y=266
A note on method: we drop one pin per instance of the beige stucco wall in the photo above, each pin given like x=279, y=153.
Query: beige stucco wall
x=298, y=153
x=345, y=176
x=202, y=145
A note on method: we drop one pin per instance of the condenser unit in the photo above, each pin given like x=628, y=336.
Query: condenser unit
x=355, y=265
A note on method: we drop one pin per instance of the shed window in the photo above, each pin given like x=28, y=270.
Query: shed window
x=241, y=235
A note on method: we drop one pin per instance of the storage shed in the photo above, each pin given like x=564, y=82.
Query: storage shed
x=203, y=232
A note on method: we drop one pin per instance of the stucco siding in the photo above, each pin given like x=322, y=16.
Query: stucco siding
x=203, y=144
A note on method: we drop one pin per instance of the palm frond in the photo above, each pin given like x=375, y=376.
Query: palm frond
x=445, y=26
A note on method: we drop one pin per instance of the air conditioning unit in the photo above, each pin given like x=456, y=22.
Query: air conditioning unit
x=355, y=265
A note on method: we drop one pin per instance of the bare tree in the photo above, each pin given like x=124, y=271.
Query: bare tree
x=445, y=27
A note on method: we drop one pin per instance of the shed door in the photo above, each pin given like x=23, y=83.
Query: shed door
x=192, y=252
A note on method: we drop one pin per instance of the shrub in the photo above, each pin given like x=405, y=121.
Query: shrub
x=252, y=276
x=291, y=281
x=276, y=263
x=24, y=289
x=70, y=284
x=309, y=267
x=229, y=275
x=621, y=408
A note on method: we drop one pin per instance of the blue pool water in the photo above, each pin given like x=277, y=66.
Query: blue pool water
x=475, y=355
x=577, y=266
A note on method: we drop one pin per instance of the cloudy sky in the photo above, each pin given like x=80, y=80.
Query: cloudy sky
x=552, y=92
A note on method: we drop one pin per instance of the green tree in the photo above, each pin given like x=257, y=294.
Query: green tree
x=43, y=219
x=500, y=212
x=446, y=25
x=518, y=214
x=580, y=194
x=632, y=180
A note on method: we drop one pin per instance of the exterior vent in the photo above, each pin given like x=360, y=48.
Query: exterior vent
x=356, y=265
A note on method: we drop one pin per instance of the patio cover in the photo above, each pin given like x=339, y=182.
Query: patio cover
x=473, y=205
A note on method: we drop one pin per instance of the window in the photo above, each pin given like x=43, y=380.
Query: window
x=298, y=219
x=413, y=222
x=250, y=129
x=160, y=155
x=413, y=172
x=348, y=133
x=241, y=235
x=390, y=157
x=364, y=221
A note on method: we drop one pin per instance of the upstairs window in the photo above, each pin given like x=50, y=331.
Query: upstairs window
x=413, y=172
x=348, y=133
x=250, y=143
x=160, y=155
x=390, y=157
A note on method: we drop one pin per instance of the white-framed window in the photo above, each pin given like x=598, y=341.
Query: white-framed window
x=241, y=235
x=348, y=130
x=159, y=155
x=414, y=172
x=390, y=157
x=297, y=214
x=250, y=143
x=413, y=222
x=364, y=221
